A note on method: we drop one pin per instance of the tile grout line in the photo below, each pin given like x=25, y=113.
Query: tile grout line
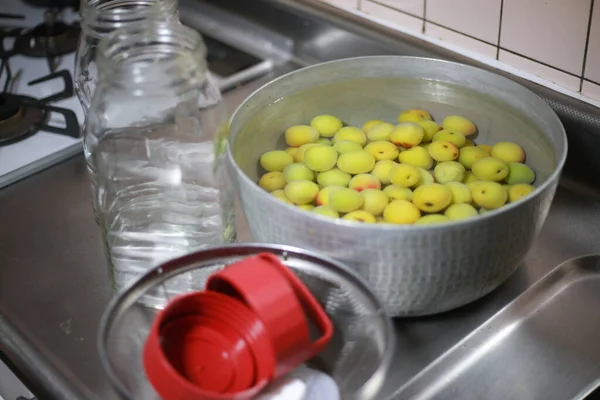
x=539, y=62
x=591, y=81
x=587, y=43
x=500, y=30
x=424, y=16
x=395, y=9
x=486, y=42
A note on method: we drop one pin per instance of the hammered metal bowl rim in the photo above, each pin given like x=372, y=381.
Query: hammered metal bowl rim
x=396, y=227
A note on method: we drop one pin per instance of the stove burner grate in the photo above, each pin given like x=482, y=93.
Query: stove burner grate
x=22, y=116
x=51, y=38
x=19, y=119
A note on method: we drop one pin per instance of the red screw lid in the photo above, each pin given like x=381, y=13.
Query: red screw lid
x=206, y=345
x=202, y=354
x=281, y=301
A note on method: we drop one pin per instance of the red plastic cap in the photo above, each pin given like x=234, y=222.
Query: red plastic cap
x=282, y=302
x=206, y=345
x=227, y=343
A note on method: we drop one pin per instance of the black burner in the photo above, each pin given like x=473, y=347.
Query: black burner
x=53, y=3
x=22, y=116
x=22, y=124
x=9, y=108
x=52, y=38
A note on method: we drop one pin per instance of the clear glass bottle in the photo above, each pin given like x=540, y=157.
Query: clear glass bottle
x=154, y=144
x=99, y=18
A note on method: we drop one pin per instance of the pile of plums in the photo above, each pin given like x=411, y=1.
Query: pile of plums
x=413, y=172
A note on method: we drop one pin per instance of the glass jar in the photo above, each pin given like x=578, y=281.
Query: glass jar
x=99, y=18
x=154, y=144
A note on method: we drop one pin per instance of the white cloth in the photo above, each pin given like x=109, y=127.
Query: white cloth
x=302, y=384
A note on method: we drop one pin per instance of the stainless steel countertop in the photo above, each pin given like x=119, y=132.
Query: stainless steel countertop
x=54, y=281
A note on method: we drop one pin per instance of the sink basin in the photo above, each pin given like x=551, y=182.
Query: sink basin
x=543, y=345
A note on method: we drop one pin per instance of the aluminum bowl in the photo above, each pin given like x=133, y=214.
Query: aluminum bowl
x=415, y=270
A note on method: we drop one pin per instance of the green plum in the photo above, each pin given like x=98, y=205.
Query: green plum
x=360, y=216
x=468, y=156
x=275, y=160
x=417, y=157
x=443, y=151
x=430, y=128
x=298, y=172
x=519, y=173
x=457, y=212
x=326, y=125
x=345, y=200
x=459, y=124
x=407, y=135
x=333, y=177
x=414, y=115
x=298, y=135
x=398, y=193
x=344, y=146
x=361, y=182
x=508, y=152
x=432, y=219
x=370, y=124
x=326, y=211
x=356, y=162
x=404, y=175
x=320, y=158
x=449, y=171
x=374, y=201
x=490, y=169
x=380, y=131
x=382, y=150
x=460, y=192
x=272, y=181
x=381, y=171
x=301, y=192
x=446, y=135
x=518, y=191
x=432, y=198
x=488, y=194
x=352, y=134
x=401, y=212
x=323, y=195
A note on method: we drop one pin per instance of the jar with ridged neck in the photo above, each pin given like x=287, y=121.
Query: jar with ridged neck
x=154, y=145
x=101, y=17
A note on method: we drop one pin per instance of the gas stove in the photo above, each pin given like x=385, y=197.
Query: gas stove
x=40, y=117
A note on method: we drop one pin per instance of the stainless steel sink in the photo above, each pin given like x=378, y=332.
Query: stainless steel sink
x=543, y=345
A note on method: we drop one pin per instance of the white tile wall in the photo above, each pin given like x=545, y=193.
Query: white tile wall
x=463, y=41
x=390, y=15
x=553, y=32
x=553, y=42
x=591, y=90
x=414, y=7
x=343, y=3
x=561, y=78
x=592, y=65
x=476, y=18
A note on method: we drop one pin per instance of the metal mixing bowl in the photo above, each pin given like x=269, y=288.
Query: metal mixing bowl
x=358, y=356
x=415, y=270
